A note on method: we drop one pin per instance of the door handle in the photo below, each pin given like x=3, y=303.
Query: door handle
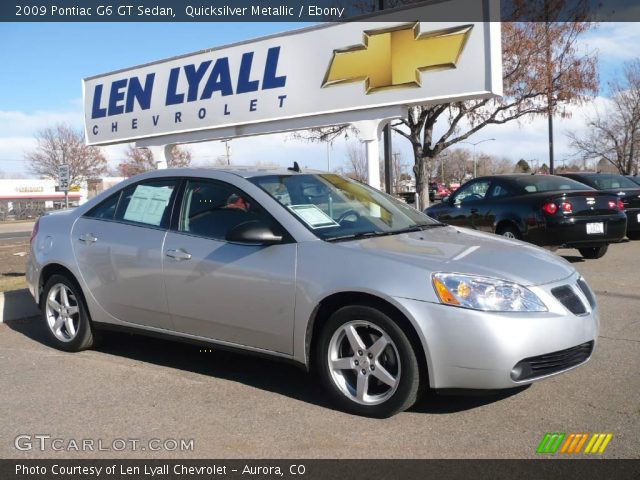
x=178, y=254
x=88, y=238
x=474, y=210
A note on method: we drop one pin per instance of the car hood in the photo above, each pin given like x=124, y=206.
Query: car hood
x=460, y=250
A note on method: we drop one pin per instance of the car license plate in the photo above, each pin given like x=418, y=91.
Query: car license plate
x=595, y=228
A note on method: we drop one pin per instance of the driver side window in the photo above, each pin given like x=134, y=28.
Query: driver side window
x=472, y=191
x=211, y=209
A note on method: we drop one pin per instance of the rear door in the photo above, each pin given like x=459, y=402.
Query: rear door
x=118, y=247
x=236, y=293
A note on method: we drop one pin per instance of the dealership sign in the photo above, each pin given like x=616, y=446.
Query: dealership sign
x=316, y=71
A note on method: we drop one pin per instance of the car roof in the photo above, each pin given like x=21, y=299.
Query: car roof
x=240, y=171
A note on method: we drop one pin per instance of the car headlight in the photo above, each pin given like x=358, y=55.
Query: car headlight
x=487, y=294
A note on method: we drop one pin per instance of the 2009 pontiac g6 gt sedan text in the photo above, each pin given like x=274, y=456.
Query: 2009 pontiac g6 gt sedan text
x=377, y=297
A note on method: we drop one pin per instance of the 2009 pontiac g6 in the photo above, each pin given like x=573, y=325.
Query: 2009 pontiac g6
x=377, y=297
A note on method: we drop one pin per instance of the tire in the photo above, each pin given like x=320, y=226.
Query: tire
x=593, y=253
x=396, y=362
x=69, y=329
x=509, y=231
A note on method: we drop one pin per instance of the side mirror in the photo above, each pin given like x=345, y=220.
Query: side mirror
x=253, y=232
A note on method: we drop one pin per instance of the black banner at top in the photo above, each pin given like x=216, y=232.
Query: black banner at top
x=311, y=10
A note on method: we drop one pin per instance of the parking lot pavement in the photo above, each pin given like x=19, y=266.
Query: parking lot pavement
x=236, y=406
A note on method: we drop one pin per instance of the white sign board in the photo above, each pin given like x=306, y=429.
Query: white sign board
x=63, y=177
x=321, y=70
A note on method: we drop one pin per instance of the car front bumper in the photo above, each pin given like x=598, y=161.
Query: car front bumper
x=469, y=349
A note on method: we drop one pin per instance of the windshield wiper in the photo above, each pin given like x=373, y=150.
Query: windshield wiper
x=357, y=236
x=416, y=228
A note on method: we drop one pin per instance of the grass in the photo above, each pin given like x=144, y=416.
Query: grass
x=11, y=282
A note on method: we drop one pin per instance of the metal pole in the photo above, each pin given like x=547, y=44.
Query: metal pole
x=475, y=166
x=387, y=147
x=388, y=168
x=549, y=87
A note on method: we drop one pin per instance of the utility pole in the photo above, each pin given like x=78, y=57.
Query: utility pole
x=549, y=85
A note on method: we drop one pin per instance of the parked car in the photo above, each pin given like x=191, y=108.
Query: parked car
x=545, y=210
x=626, y=189
x=378, y=298
x=437, y=191
x=634, y=179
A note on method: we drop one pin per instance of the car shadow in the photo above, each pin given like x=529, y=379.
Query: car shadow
x=265, y=373
x=435, y=403
x=573, y=258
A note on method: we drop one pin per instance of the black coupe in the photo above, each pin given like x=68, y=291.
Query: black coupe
x=626, y=189
x=546, y=210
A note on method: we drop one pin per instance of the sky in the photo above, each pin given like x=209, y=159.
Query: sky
x=43, y=64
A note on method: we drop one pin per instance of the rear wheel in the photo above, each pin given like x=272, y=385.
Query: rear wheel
x=367, y=362
x=509, y=231
x=594, y=252
x=65, y=315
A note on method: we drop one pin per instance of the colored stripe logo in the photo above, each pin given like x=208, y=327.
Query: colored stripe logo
x=572, y=443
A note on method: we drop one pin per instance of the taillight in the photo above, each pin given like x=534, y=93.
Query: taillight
x=567, y=207
x=34, y=232
x=550, y=208
x=620, y=205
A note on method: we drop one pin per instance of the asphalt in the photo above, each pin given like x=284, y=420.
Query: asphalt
x=235, y=406
x=15, y=230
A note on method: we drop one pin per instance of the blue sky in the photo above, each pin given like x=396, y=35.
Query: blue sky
x=56, y=56
x=43, y=64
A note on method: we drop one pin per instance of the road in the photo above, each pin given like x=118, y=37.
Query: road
x=235, y=406
x=15, y=230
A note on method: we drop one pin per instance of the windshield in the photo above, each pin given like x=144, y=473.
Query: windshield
x=334, y=207
x=548, y=183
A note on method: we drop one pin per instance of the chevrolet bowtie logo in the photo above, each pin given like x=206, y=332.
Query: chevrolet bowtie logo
x=397, y=57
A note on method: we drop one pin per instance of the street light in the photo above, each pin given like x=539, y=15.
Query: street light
x=475, y=166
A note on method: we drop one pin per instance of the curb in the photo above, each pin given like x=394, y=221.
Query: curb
x=16, y=305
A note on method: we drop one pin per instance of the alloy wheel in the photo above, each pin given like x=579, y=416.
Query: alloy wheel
x=63, y=312
x=364, y=362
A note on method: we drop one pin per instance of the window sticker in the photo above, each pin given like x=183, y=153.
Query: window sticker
x=313, y=216
x=148, y=204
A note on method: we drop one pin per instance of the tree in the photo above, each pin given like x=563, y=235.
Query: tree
x=139, y=160
x=357, y=162
x=543, y=72
x=614, y=134
x=61, y=144
x=522, y=166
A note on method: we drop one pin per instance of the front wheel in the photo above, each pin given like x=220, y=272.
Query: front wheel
x=367, y=362
x=65, y=315
x=593, y=252
x=509, y=231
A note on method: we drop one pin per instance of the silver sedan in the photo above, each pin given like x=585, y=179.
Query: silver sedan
x=378, y=298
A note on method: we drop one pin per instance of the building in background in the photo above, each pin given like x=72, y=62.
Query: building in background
x=25, y=198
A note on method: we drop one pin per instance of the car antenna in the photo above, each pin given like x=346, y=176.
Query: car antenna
x=295, y=168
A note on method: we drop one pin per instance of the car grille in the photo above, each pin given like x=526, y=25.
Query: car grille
x=587, y=292
x=567, y=296
x=542, y=365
